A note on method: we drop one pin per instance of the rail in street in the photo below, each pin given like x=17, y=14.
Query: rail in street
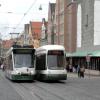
x=73, y=88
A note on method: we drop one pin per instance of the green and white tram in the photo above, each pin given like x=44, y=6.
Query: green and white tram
x=20, y=63
x=50, y=63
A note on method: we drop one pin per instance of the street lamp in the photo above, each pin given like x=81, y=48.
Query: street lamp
x=40, y=8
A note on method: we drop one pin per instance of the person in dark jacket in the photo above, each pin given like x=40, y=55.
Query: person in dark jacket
x=82, y=70
x=78, y=70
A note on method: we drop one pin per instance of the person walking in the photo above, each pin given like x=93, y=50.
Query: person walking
x=82, y=70
x=78, y=70
x=2, y=67
x=70, y=68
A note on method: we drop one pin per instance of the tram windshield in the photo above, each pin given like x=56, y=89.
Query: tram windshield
x=55, y=60
x=23, y=60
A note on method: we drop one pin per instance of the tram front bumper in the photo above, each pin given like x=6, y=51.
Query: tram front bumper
x=23, y=77
x=55, y=76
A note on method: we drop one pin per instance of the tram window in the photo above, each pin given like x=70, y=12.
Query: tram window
x=56, y=62
x=23, y=51
x=40, y=62
x=23, y=60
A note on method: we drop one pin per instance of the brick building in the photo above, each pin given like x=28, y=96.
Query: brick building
x=66, y=24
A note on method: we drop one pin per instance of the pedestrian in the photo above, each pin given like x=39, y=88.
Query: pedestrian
x=70, y=68
x=76, y=67
x=2, y=66
x=82, y=70
x=78, y=70
x=67, y=67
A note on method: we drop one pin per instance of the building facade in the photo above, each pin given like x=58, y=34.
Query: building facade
x=35, y=33
x=51, y=24
x=43, y=36
x=89, y=33
x=66, y=24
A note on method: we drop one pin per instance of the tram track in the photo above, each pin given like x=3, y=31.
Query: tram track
x=33, y=88
x=25, y=92
x=79, y=89
x=37, y=95
x=41, y=86
x=43, y=90
x=50, y=91
x=27, y=88
x=22, y=89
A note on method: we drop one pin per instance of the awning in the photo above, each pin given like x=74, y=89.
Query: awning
x=79, y=54
x=68, y=54
x=84, y=54
x=95, y=54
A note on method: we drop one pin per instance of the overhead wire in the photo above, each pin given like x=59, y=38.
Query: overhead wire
x=26, y=13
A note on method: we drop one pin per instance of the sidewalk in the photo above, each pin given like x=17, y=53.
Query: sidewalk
x=88, y=73
x=92, y=72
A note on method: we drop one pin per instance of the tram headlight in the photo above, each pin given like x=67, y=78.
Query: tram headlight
x=17, y=72
x=32, y=72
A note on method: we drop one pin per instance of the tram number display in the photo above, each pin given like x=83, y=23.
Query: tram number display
x=55, y=52
x=18, y=51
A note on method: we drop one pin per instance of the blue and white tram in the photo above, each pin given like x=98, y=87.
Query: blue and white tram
x=50, y=63
x=20, y=63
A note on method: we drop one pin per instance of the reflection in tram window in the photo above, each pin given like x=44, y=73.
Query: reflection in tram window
x=23, y=60
x=55, y=61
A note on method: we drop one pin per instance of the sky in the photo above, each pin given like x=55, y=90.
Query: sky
x=15, y=13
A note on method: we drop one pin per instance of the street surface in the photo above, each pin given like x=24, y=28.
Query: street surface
x=73, y=88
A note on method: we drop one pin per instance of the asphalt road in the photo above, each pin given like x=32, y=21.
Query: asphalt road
x=72, y=89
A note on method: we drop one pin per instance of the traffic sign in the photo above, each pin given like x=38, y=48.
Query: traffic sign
x=88, y=58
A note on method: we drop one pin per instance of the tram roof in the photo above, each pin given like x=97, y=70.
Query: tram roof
x=51, y=47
